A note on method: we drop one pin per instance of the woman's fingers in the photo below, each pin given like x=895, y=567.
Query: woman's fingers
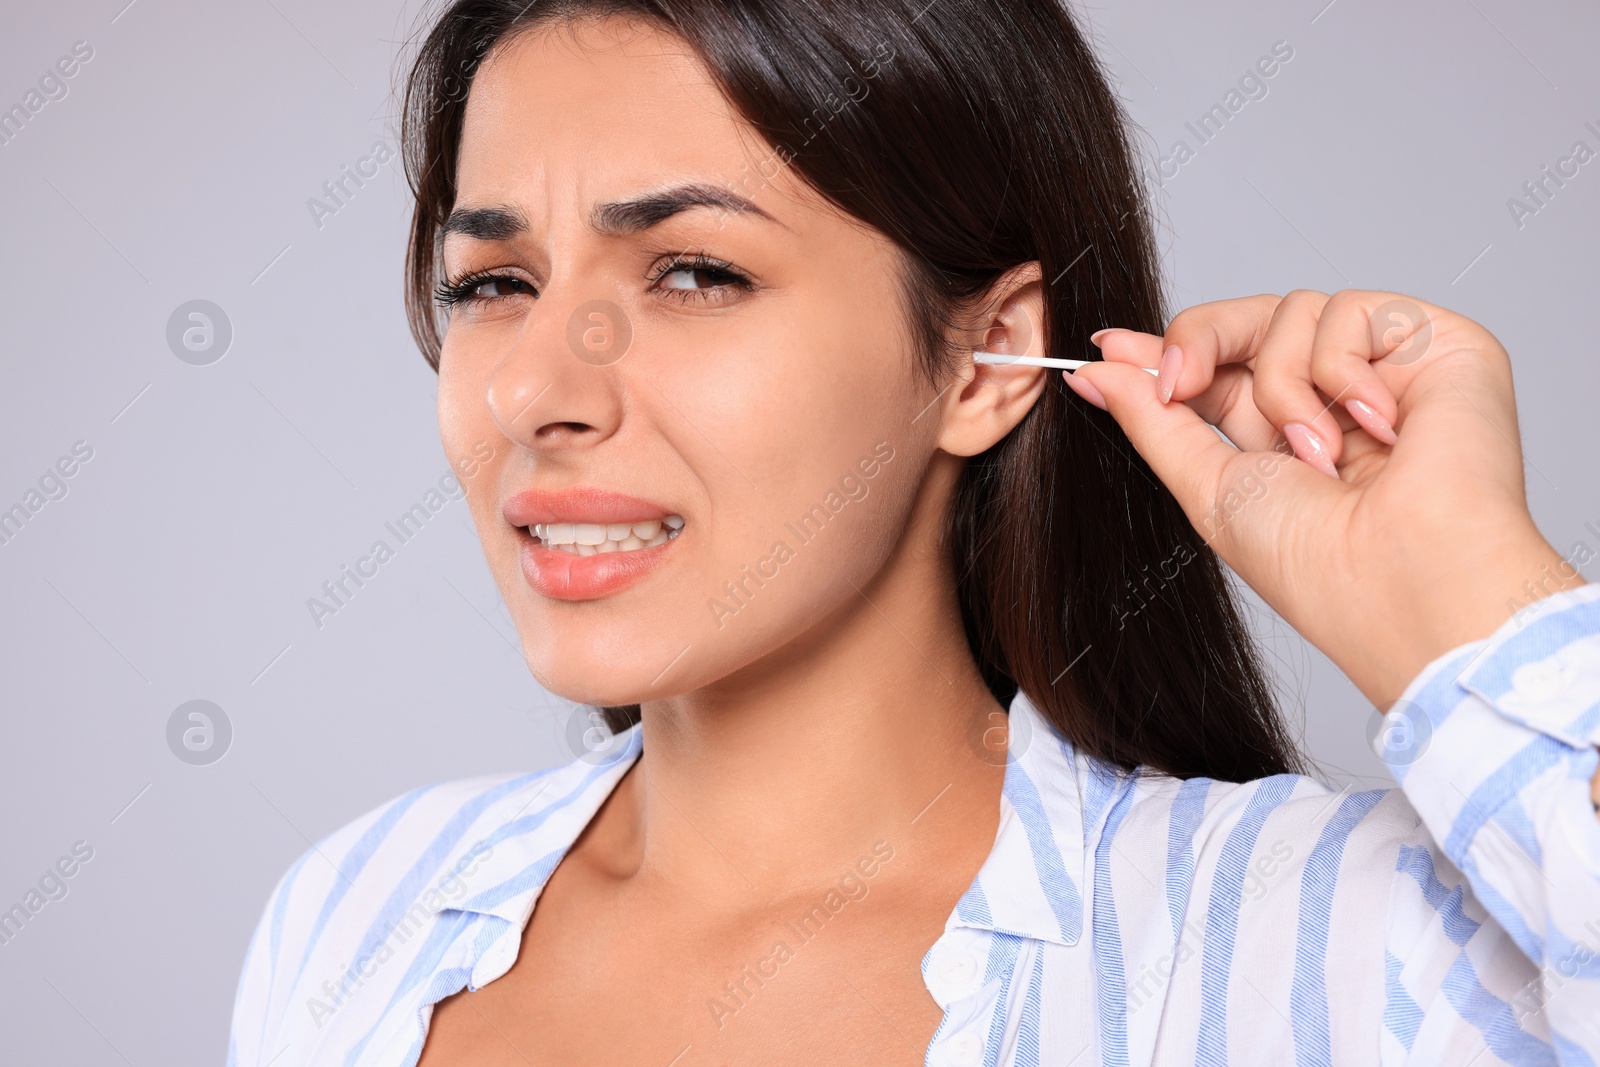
x=1207, y=336
x=1180, y=446
x=1230, y=406
x=1227, y=402
x=1273, y=337
x=1359, y=327
x=1129, y=346
x=1301, y=366
x=1312, y=356
x=1284, y=390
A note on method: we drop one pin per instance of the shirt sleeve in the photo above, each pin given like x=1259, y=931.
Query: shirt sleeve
x=253, y=1006
x=1494, y=745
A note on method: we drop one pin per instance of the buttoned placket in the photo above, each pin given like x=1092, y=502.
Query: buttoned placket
x=955, y=977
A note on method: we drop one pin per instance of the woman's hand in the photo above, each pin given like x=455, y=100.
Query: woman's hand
x=1402, y=528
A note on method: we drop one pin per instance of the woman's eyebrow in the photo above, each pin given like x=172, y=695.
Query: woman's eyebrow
x=485, y=223
x=624, y=217
x=617, y=219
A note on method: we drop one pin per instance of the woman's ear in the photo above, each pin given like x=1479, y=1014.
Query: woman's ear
x=989, y=400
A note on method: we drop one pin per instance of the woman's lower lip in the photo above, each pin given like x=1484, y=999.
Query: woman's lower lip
x=568, y=576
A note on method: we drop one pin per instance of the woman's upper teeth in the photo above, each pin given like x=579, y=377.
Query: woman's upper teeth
x=612, y=536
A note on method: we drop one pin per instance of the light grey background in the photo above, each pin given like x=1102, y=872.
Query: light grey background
x=219, y=498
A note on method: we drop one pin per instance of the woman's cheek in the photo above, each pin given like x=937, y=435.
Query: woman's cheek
x=466, y=429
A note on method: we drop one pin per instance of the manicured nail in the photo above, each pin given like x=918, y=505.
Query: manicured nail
x=1094, y=338
x=1369, y=419
x=1085, y=388
x=1171, y=368
x=1309, y=447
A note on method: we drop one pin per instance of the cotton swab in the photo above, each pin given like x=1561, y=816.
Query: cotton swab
x=1001, y=359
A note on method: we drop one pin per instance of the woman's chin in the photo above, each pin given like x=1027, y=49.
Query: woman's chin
x=610, y=669
x=601, y=689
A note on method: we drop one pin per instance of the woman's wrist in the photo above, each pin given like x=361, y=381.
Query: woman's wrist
x=1426, y=623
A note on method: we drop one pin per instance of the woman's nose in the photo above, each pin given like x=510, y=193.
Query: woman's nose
x=557, y=386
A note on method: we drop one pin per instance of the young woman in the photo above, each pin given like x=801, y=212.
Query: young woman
x=937, y=735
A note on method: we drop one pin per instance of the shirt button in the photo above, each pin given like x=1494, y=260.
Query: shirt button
x=963, y=1050
x=1540, y=681
x=958, y=969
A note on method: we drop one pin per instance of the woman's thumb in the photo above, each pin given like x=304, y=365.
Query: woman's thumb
x=1180, y=446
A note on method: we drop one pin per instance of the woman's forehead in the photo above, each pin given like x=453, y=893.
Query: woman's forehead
x=549, y=126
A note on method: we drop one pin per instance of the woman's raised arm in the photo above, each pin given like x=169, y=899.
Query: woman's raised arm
x=1402, y=547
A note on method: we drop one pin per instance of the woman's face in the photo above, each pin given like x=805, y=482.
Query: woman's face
x=597, y=374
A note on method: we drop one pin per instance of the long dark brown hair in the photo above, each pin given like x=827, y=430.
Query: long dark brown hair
x=978, y=135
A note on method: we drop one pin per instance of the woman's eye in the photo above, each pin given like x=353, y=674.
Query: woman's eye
x=492, y=287
x=700, y=280
x=481, y=289
x=694, y=278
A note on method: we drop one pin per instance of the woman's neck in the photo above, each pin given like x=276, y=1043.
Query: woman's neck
x=868, y=728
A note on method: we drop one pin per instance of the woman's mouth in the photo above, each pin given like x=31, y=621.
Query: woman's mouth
x=586, y=542
x=591, y=539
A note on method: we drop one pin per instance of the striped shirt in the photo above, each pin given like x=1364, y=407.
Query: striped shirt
x=1120, y=918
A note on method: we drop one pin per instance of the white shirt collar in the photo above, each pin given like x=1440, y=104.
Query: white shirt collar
x=1030, y=885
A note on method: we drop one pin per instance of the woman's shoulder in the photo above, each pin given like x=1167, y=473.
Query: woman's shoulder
x=1147, y=830
x=1294, y=819
x=414, y=838
x=358, y=896
x=418, y=814
x=1285, y=853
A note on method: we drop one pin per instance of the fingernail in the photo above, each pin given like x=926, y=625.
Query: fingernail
x=1085, y=388
x=1094, y=338
x=1369, y=419
x=1171, y=368
x=1309, y=447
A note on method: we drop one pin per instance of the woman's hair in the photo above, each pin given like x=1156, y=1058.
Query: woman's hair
x=977, y=135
